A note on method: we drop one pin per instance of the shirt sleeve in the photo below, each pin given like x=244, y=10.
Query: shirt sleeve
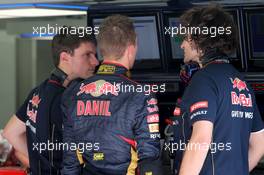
x=200, y=98
x=257, y=123
x=22, y=111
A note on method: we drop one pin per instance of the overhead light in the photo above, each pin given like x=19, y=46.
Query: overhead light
x=37, y=36
x=4, y=17
x=61, y=6
x=40, y=10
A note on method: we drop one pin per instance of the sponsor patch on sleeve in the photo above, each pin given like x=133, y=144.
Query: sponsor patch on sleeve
x=199, y=105
x=98, y=156
x=177, y=111
x=154, y=118
x=154, y=127
x=148, y=173
x=152, y=101
x=153, y=109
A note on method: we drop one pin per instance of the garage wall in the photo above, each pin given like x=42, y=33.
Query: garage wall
x=7, y=77
x=25, y=62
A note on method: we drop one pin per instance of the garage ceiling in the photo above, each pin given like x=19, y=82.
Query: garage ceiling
x=91, y=2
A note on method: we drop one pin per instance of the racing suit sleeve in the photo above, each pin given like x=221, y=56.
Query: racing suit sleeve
x=147, y=136
x=71, y=164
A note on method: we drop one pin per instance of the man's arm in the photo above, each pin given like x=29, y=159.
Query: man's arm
x=15, y=133
x=22, y=158
x=197, y=148
x=256, y=148
x=72, y=160
x=147, y=135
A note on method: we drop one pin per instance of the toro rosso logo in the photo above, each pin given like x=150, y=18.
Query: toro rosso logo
x=239, y=84
x=98, y=88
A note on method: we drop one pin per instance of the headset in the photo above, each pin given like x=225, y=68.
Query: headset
x=190, y=68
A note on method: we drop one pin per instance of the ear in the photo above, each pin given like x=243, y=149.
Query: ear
x=64, y=57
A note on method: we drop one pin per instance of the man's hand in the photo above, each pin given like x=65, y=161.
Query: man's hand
x=15, y=133
x=5, y=148
x=22, y=158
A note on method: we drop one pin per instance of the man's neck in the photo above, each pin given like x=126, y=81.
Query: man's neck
x=68, y=78
x=66, y=82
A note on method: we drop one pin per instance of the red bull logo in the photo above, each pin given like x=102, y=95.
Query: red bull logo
x=87, y=89
x=35, y=100
x=241, y=99
x=239, y=84
x=32, y=111
x=98, y=88
x=32, y=114
x=108, y=88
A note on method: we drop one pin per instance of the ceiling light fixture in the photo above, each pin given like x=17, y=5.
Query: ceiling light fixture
x=40, y=10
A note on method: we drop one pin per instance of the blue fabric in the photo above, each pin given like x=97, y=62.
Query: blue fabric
x=42, y=115
x=127, y=118
x=218, y=93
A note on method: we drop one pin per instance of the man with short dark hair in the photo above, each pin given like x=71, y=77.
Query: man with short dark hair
x=225, y=127
x=123, y=124
x=40, y=117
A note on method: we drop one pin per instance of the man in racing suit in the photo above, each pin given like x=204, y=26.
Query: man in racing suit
x=119, y=124
x=226, y=128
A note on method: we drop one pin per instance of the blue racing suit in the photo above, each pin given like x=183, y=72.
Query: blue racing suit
x=121, y=126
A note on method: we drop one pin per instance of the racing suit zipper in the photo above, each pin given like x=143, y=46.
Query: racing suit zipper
x=52, y=139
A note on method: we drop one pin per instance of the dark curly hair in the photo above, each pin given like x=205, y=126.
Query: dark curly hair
x=211, y=17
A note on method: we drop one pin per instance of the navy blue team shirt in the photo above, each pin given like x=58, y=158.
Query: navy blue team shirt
x=42, y=116
x=218, y=93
